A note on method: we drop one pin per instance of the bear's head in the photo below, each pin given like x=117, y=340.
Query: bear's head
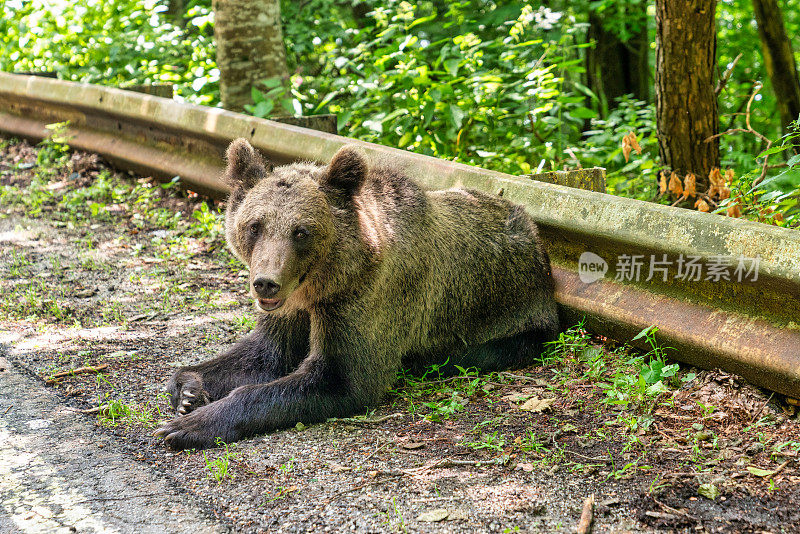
x=281, y=222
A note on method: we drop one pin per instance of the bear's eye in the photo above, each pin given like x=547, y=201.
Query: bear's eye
x=254, y=228
x=300, y=233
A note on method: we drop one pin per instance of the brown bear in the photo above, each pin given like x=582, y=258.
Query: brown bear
x=355, y=272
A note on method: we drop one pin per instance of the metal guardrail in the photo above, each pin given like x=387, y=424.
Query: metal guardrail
x=750, y=327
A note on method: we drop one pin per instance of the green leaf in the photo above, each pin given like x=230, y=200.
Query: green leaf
x=95, y=208
x=396, y=113
x=785, y=175
x=757, y=471
x=288, y=105
x=451, y=65
x=774, y=150
x=271, y=83
x=456, y=116
x=427, y=113
x=656, y=389
x=263, y=108
x=256, y=95
x=585, y=90
x=794, y=160
x=330, y=96
x=643, y=333
x=583, y=113
x=709, y=491
x=422, y=20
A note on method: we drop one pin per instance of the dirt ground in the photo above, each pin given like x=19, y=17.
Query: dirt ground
x=100, y=268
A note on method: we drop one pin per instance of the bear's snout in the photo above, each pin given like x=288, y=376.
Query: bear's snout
x=266, y=288
x=266, y=291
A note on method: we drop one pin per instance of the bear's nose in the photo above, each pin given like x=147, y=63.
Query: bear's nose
x=265, y=287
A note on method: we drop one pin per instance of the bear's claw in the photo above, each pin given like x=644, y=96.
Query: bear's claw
x=193, y=431
x=187, y=393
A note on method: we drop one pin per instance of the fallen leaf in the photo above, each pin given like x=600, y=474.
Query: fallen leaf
x=757, y=471
x=715, y=181
x=336, y=468
x=517, y=396
x=525, y=467
x=412, y=445
x=662, y=183
x=675, y=186
x=629, y=142
x=458, y=514
x=701, y=205
x=434, y=516
x=734, y=210
x=689, y=185
x=537, y=405
x=709, y=491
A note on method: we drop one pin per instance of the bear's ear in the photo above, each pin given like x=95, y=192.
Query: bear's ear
x=347, y=170
x=245, y=167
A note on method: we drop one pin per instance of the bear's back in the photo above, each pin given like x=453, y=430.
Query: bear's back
x=459, y=265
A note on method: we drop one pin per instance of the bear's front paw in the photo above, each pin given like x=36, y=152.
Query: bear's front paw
x=198, y=430
x=190, y=398
x=187, y=393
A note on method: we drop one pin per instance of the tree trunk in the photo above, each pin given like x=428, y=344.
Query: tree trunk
x=615, y=68
x=250, y=47
x=176, y=12
x=778, y=59
x=686, y=107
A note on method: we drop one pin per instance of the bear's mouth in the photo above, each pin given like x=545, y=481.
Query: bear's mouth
x=270, y=304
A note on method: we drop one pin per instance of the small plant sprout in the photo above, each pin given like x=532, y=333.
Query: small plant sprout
x=219, y=467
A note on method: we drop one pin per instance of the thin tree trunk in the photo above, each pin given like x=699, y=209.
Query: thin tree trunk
x=686, y=107
x=779, y=59
x=176, y=12
x=615, y=68
x=250, y=47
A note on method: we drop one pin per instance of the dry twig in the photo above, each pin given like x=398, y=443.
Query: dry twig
x=79, y=371
x=357, y=421
x=449, y=462
x=723, y=81
x=376, y=451
x=764, y=405
x=587, y=516
x=756, y=88
x=779, y=469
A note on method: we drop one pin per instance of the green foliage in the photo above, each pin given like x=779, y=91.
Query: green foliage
x=219, y=467
x=644, y=376
x=602, y=147
x=116, y=411
x=437, y=395
x=114, y=42
x=496, y=84
x=53, y=150
x=492, y=442
x=275, y=100
x=775, y=199
x=478, y=83
x=573, y=352
x=209, y=223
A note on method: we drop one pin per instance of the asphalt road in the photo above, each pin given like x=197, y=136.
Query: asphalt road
x=58, y=474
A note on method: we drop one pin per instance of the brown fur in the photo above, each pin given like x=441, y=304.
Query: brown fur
x=373, y=273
